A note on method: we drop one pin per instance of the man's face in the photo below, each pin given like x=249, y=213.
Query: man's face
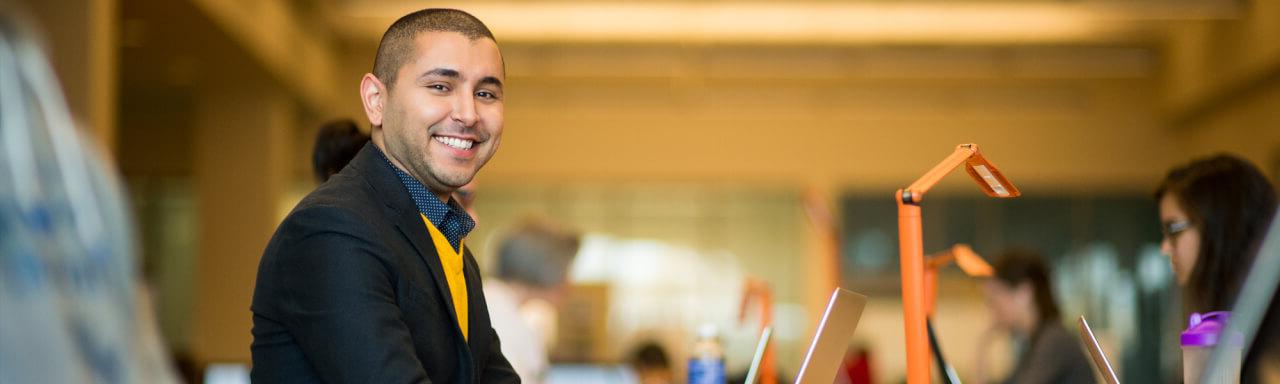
x=442, y=119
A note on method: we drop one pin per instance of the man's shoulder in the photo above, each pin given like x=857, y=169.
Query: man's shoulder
x=344, y=201
x=330, y=226
x=344, y=190
x=351, y=189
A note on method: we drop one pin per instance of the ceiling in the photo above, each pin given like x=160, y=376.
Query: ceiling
x=799, y=22
x=173, y=50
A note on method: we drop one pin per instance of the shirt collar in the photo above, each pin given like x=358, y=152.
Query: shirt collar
x=452, y=221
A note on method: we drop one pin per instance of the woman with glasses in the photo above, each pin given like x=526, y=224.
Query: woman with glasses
x=1214, y=213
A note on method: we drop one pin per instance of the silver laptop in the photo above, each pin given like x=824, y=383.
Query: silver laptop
x=831, y=340
x=1099, y=357
x=754, y=371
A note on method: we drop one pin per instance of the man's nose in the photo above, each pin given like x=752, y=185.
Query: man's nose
x=464, y=110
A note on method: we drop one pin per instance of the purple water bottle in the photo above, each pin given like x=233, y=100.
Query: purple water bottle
x=1204, y=332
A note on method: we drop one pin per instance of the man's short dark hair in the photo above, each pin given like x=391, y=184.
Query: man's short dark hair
x=397, y=43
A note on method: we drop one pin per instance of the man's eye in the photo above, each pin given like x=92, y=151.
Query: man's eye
x=487, y=94
x=438, y=87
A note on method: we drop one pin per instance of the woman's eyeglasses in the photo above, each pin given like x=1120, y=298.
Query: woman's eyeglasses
x=1173, y=228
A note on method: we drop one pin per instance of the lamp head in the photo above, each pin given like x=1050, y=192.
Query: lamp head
x=992, y=182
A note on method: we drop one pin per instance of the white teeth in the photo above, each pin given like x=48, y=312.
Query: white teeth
x=455, y=142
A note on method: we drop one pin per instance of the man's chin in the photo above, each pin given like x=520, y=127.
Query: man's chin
x=454, y=182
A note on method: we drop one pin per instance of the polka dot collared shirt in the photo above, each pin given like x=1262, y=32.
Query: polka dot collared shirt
x=452, y=221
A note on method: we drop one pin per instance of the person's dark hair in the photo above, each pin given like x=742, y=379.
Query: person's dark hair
x=397, y=43
x=1231, y=203
x=536, y=253
x=650, y=355
x=336, y=144
x=1017, y=266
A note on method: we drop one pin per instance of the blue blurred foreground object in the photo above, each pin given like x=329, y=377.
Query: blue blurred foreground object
x=68, y=303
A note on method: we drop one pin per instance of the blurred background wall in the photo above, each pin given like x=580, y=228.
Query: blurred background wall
x=731, y=139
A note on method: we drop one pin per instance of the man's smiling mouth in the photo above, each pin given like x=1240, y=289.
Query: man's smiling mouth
x=454, y=142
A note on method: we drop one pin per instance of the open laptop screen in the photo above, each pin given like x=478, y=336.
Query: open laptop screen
x=831, y=340
x=754, y=371
x=1100, y=360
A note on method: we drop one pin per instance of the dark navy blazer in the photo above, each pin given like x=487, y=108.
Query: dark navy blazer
x=351, y=290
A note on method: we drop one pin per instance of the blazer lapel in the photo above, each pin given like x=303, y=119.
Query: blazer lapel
x=400, y=207
x=475, y=294
x=412, y=227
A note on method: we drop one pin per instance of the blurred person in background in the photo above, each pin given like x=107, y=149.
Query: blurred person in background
x=72, y=304
x=336, y=144
x=651, y=364
x=1214, y=213
x=1021, y=302
x=531, y=275
x=368, y=279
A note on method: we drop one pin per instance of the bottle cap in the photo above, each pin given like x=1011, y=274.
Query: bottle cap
x=1203, y=330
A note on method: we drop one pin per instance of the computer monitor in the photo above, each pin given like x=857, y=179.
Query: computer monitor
x=831, y=340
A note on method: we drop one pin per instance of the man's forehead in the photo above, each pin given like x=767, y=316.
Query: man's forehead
x=455, y=51
x=431, y=34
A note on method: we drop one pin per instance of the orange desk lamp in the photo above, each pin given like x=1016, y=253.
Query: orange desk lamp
x=972, y=265
x=911, y=247
x=759, y=290
x=969, y=261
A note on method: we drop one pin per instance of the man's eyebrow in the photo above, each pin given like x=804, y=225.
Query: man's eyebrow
x=491, y=80
x=454, y=74
x=443, y=72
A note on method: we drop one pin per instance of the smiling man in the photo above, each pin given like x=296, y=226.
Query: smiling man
x=369, y=279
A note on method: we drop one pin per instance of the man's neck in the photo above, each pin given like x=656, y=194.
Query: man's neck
x=378, y=142
x=443, y=198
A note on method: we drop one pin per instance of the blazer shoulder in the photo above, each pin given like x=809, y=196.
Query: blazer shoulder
x=343, y=190
x=345, y=206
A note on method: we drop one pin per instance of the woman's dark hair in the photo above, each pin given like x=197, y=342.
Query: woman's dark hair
x=336, y=144
x=1231, y=203
x=1017, y=266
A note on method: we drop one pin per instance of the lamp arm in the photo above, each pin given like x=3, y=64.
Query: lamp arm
x=917, y=189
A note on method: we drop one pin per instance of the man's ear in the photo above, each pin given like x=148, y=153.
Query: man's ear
x=373, y=95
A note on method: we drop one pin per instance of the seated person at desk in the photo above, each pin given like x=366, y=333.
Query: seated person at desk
x=532, y=273
x=651, y=364
x=1022, y=304
x=1214, y=213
